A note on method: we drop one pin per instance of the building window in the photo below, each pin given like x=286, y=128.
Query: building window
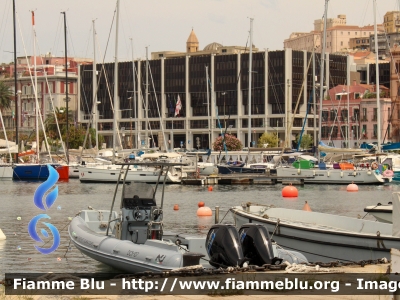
x=160, y=55
x=364, y=130
x=375, y=134
x=356, y=95
x=349, y=32
x=375, y=116
x=223, y=50
x=364, y=114
x=341, y=43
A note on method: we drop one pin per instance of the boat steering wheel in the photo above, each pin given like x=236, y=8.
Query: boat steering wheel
x=139, y=215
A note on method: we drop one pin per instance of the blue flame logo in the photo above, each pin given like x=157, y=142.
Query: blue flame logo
x=39, y=203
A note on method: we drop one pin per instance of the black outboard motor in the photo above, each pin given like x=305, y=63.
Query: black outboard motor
x=223, y=246
x=256, y=245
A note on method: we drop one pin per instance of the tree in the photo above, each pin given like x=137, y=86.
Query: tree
x=232, y=143
x=306, y=141
x=51, y=124
x=5, y=96
x=270, y=138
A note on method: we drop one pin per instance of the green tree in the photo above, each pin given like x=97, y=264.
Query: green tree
x=77, y=137
x=232, y=143
x=306, y=141
x=5, y=96
x=51, y=125
x=270, y=138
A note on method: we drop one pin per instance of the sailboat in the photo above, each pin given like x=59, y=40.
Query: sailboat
x=36, y=170
x=340, y=173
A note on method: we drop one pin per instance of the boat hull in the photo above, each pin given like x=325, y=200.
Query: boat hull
x=111, y=173
x=153, y=255
x=333, y=176
x=245, y=170
x=382, y=213
x=32, y=171
x=323, y=243
x=6, y=172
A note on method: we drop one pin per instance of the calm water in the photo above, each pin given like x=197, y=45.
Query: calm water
x=17, y=252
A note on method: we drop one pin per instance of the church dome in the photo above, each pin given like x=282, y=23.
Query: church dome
x=212, y=47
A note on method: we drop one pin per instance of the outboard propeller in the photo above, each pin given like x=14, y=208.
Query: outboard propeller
x=223, y=246
x=256, y=245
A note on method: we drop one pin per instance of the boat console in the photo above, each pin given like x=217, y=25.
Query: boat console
x=141, y=217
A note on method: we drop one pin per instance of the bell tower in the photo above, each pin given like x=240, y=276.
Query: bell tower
x=192, y=43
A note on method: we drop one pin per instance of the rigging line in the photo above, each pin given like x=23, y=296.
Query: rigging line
x=298, y=99
x=6, y=13
x=58, y=35
x=158, y=109
x=35, y=88
x=52, y=104
x=88, y=42
x=71, y=41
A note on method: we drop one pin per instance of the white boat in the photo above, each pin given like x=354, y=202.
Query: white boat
x=382, y=213
x=133, y=239
x=320, y=236
x=137, y=173
x=326, y=175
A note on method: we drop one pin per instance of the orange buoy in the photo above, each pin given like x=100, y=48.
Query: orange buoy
x=306, y=207
x=204, y=212
x=210, y=188
x=290, y=191
x=176, y=207
x=352, y=187
x=200, y=204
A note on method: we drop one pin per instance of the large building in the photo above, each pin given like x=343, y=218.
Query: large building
x=340, y=37
x=51, y=88
x=281, y=81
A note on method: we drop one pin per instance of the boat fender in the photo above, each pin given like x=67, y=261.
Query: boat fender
x=298, y=171
x=341, y=174
x=369, y=173
x=314, y=172
x=328, y=174
x=354, y=173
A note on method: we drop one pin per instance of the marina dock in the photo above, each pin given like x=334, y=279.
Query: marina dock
x=243, y=179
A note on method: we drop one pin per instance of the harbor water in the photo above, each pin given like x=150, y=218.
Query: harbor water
x=18, y=252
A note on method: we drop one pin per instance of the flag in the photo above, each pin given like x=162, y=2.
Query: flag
x=178, y=106
x=13, y=115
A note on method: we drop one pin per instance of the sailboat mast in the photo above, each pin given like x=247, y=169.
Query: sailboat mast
x=250, y=73
x=134, y=98
x=378, y=104
x=115, y=82
x=66, y=84
x=322, y=69
x=35, y=87
x=314, y=99
x=208, y=111
x=94, y=124
x=146, y=137
x=15, y=81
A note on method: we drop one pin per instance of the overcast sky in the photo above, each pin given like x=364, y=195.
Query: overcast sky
x=166, y=24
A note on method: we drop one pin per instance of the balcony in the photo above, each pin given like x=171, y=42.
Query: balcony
x=364, y=119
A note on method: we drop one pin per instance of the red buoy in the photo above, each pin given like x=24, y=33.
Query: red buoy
x=204, y=212
x=290, y=191
x=176, y=207
x=200, y=204
x=352, y=187
x=210, y=188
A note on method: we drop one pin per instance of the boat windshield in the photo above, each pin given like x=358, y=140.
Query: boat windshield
x=138, y=190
